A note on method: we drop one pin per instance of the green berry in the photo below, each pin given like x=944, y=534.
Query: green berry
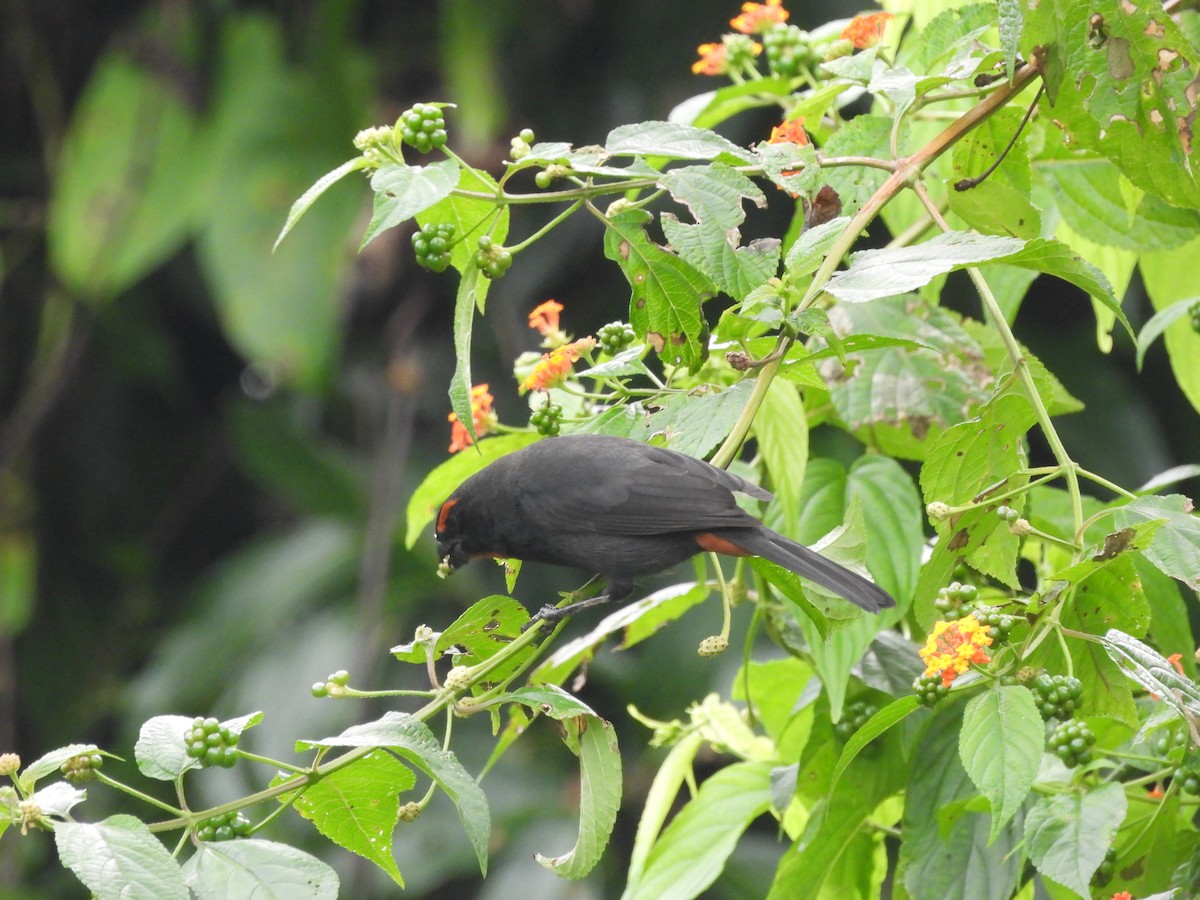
x=526, y=135
x=211, y=743
x=787, y=50
x=615, y=337
x=432, y=245
x=1107, y=868
x=543, y=179
x=1194, y=314
x=1057, y=696
x=423, y=126
x=1072, y=743
x=930, y=689
x=82, y=768
x=547, y=420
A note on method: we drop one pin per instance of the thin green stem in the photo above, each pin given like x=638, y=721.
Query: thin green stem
x=134, y=792
x=553, y=223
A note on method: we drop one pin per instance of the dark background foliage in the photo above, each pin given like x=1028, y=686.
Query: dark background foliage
x=209, y=532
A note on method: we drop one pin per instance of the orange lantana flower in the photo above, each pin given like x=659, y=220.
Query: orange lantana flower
x=1174, y=659
x=544, y=318
x=866, y=31
x=556, y=365
x=953, y=646
x=756, y=18
x=712, y=60
x=790, y=132
x=1122, y=895
x=481, y=415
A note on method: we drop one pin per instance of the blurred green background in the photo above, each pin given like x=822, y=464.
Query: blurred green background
x=205, y=449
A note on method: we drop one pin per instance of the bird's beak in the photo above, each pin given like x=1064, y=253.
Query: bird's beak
x=452, y=557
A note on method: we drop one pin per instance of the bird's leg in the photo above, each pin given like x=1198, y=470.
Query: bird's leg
x=616, y=589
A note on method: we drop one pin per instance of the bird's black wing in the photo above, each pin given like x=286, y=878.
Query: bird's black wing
x=621, y=487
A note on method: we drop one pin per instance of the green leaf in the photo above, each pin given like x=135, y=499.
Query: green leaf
x=1119, y=77
x=892, y=714
x=691, y=852
x=1068, y=834
x=274, y=127
x=1001, y=748
x=714, y=195
x=966, y=463
x=862, y=136
x=479, y=633
x=882, y=273
x=258, y=868
x=1000, y=204
x=695, y=424
x=673, y=141
x=1176, y=545
x=711, y=108
x=412, y=740
x=599, y=793
x=1092, y=195
x=161, y=751
x=895, y=524
x=119, y=859
x=551, y=700
x=472, y=289
x=1168, y=279
x=357, y=807
x=957, y=862
x=813, y=245
x=772, y=689
x=125, y=186
x=667, y=291
x=1011, y=22
x=403, y=191
x=439, y=484
x=1159, y=322
x=781, y=429
x=470, y=216
x=1148, y=668
x=320, y=186
x=660, y=800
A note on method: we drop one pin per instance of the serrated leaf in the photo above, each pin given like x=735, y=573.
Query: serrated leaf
x=810, y=249
x=479, y=633
x=1001, y=748
x=599, y=793
x=119, y=859
x=696, y=424
x=357, y=807
x=1176, y=545
x=161, y=751
x=1068, y=834
x=58, y=799
x=1148, y=668
x=470, y=216
x=862, y=136
x=412, y=740
x=1000, y=203
x=265, y=870
x=320, y=186
x=402, y=191
x=882, y=273
x=692, y=850
x=673, y=141
x=1166, y=281
x=1011, y=22
x=781, y=429
x=667, y=291
x=713, y=107
x=441, y=482
x=714, y=195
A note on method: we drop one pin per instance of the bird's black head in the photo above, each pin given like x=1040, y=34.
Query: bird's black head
x=450, y=535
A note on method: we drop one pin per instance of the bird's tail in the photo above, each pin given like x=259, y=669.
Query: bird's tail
x=809, y=564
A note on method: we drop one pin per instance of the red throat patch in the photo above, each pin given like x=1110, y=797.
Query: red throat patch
x=443, y=514
x=712, y=543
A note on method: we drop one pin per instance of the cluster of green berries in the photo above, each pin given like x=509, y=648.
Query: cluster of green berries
x=1194, y=314
x=332, y=685
x=1007, y=513
x=519, y=146
x=81, y=768
x=211, y=743
x=547, y=420
x=423, y=126
x=929, y=689
x=1167, y=739
x=1188, y=776
x=432, y=246
x=492, y=258
x=1072, y=742
x=854, y=717
x=958, y=600
x=788, y=50
x=1057, y=696
x=615, y=337
x=223, y=828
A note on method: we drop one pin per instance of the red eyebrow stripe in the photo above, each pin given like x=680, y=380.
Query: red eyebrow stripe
x=443, y=514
